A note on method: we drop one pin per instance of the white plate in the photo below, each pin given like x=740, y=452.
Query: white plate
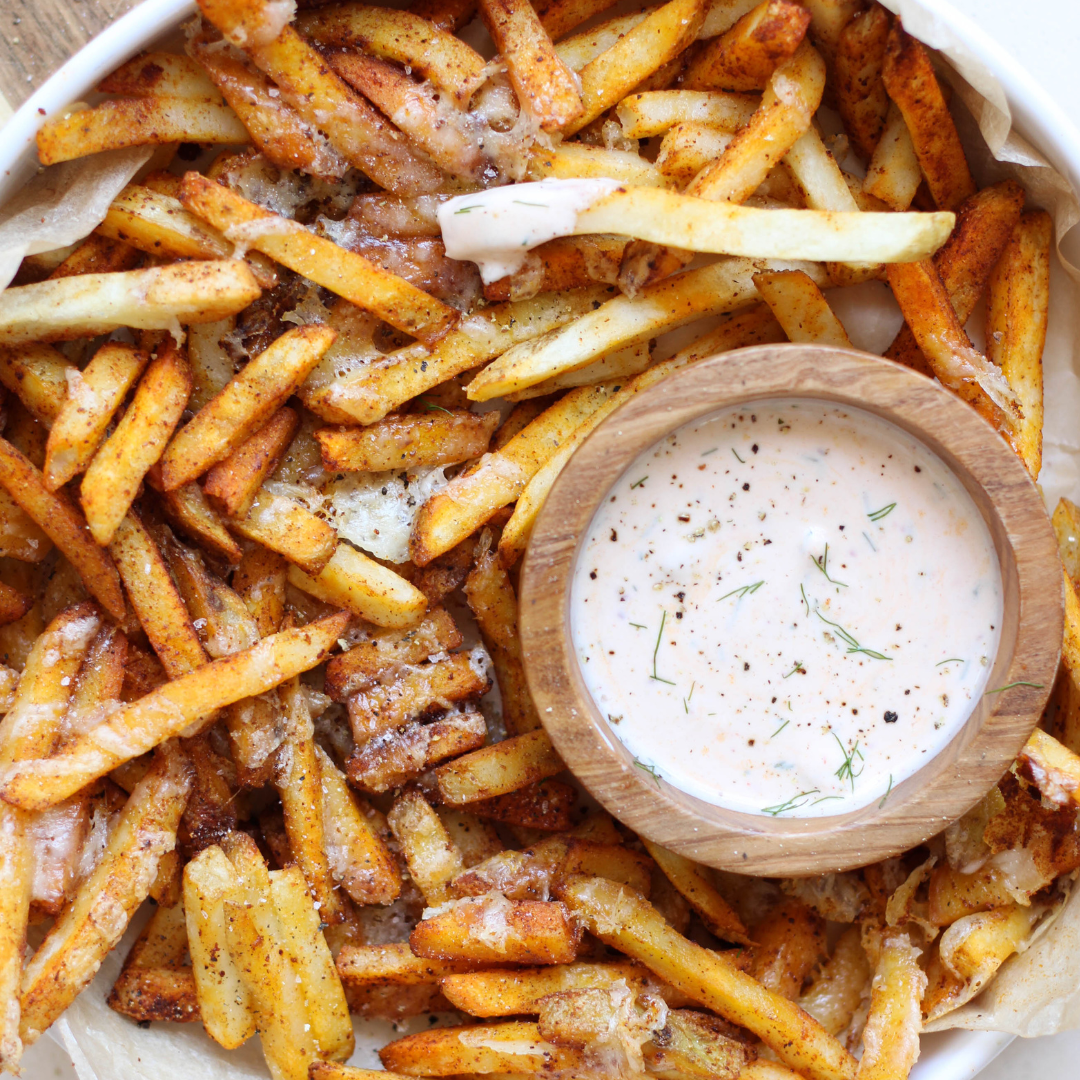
x=953, y=1055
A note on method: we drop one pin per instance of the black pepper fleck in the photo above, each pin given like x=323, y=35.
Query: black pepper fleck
x=890, y=717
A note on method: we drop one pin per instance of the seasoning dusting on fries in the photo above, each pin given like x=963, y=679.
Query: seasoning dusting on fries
x=260, y=537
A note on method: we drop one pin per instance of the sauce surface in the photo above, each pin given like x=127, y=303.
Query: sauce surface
x=786, y=609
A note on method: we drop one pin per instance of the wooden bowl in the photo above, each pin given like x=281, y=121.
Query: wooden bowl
x=947, y=785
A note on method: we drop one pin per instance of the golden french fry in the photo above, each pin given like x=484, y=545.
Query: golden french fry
x=113, y=477
x=911, y=83
x=169, y=710
x=745, y=57
x=98, y=255
x=498, y=930
x=1054, y=768
x=159, y=74
x=788, y=944
x=974, y=947
x=244, y=405
x=571, y=262
x=705, y=976
x=188, y=510
x=559, y=17
x=79, y=940
x=283, y=525
x=954, y=894
x=136, y=122
x=543, y=83
x=499, y=769
x=860, y=92
x=800, y=308
x=584, y=47
x=353, y=581
x=62, y=523
x=92, y=399
x=1018, y=302
x=349, y=275
x=16, y=881
x=234, y=482
x=152, y=299
x=837, y=991
x=260, y=580
x=307, y=84
x=476, y=840
x=657, y=111
x=430, y=854
x=544, y=806
x=658, y=38
x=688, y=147
x=38, y=376
x=572, y=160
x=894, y=173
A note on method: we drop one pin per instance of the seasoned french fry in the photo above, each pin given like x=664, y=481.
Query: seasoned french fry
x=895, y=1018
x=351, y=276
x=151, y=299
x=13, y=604
x=910, y=81
x=476, y=840
x=234, y=482
x=837, y=991
x=113, y=477
x=188, y=510
x=689, y=147
x=545, y=806
x=499, y=769
x=652, y=43
x=745, y=57
x=93, y=396
x=394, y=965
x=169, y=710
x=308, y=85
x=641, y=933
x=495, y=929
x=954, y=894
x=98, y=255
x=788, y=944
x=655, y=112
x=38, y=376
x=585, y=46
x=62, y=523
x=572, y=160
x=16, y=881
x=159, y=74
x=136, y=122
x=430, y=854
x=559, y=17
x=894, y=173
x=330, y=1070
x=569, y=262
x=73, y=950
x=283, y=525
x=974, y=947
x=1018, y=302
x=801, y=309
x=260, y=580
x=860, y=92
x=693, y=1043
x=1054, y=768
x=543, y=83
x=359, y=857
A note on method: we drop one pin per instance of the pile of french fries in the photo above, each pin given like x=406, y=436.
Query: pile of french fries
x=215, y=701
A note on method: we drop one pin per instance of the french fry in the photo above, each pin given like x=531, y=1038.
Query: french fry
x=349, y=579
x=234, y=482
x=658, y=38
x=160, y=74
x=984, y=224
x=308, y=85
x=476, y=840
x=788, y=944
x=621, y=364
x=693, y=883
x=1054, y=768
x=13, y=604
x=837, y=992
x=543, y=83
x=98, y=255
x=1018, y=301
x=359, y=857
x=801, y=309
x=351, y=276
x=330, y=1070
x=149, y=121
x=154, y=298
x=654, y=113
x=491, y=598
x=407, y=442
x=300, y=918
x=974, y=947
x=778, y=123
x=70, y=955
x=954, y=894
x=559, y=17
x=404, y=37
x=689, y=147
x=745, y=57
x=570, y=262
x=260, y=580
x=188, y=510
x=169, y=710
x=910, y=81
x=572, y=160
x=929, y=313
x=275, y=127
x=391, y=759
x=641, y=933
x=586, y=45
x=895, y=1018
x=283, y=525
x=545, y=806
x=369, y=393
x=93, y=396
x=394, y=965
x=860, y=93
x=113, y=477
x=499, y=769
x=62, y=523
x=894, y=173
x=16, y=881
x=497, y=930
x=693, y=1043
x=432, y=859
x=38, y=376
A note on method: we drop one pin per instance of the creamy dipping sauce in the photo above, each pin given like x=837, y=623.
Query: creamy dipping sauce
x=786, y=609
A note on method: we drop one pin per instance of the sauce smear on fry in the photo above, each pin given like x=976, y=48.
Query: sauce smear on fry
x=787, y=608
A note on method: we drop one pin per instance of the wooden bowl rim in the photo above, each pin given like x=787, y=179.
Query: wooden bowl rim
x=947, y=785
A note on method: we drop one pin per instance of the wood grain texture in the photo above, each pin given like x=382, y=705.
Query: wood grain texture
x=37, y=36
x=945, y=787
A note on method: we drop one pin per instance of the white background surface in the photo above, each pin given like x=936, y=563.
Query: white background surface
x=1044, y=36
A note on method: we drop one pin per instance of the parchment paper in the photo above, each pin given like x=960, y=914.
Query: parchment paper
x=1035, y=993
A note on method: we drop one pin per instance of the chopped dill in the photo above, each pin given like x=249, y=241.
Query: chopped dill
x=744, y=590
x=951, y=660
x=521, y=202
x=825, y=798
x=884, y=512
x=639, y=626
x=432, y=407
x=737, y=458
x=467, y=210
x=798, y=667
x=638, y=483
x=804, y=600
x=792, y=803
x=847, y=769
x=686, y=700
x=656, y=650
x=852, y=644
x=712, y=451
x=650, y=769
x=1019, y=682
x=869, y=541
x=888, y=792
x=779, y=729
x=822, y=563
